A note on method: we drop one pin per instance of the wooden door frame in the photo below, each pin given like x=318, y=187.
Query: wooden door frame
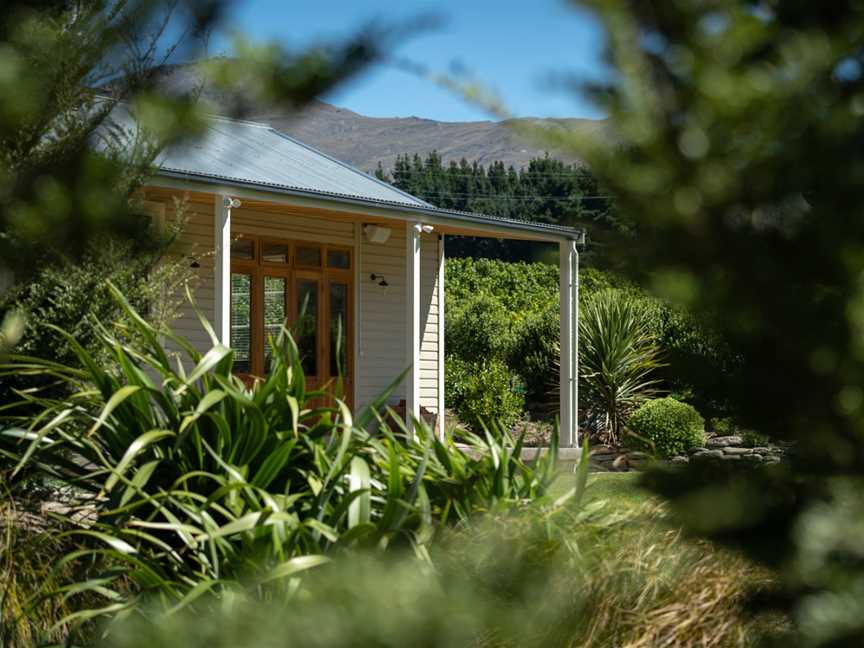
x=348, y=328
x=318, y=277
x=257, y=268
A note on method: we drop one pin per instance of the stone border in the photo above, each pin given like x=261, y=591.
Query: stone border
x=604, y=458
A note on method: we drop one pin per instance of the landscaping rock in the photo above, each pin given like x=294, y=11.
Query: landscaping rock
x=621, y=463
x=708, y=454
x=726, y=449
x=724, y=441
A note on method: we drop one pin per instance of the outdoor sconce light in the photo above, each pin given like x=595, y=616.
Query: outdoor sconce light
x=376, y=233
x=424, y=229
x=383, y=282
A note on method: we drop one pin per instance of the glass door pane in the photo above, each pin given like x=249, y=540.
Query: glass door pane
x=306, y=326
x=241, y=321
x=274, y=312
x=338, y=351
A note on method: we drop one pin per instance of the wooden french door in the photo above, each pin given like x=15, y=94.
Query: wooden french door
x=309, y=288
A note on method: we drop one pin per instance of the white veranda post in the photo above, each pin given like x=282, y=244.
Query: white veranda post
x=569, y=339
x=412, y=283
x=222, y=236
x=441, y=422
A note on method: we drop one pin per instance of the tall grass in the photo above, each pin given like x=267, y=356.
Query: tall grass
x=542, y=576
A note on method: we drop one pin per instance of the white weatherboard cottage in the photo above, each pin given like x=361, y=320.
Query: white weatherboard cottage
x=282, y=233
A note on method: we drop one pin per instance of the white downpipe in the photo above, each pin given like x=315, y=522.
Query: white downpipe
x=358, y=311
x=441, y=286
x=568, y=339
x=575, y=347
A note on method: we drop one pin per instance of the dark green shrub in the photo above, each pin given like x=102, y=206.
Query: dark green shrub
x=535, y=353
x=487, y=395
x=479, y=329
x=508, y=311
x=520, y=288
x=456, y=376
x=698, y=361
x=722, y=426
x=666, y=427
x=73, y=296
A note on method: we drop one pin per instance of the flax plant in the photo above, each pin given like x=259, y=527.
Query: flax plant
x=189, y=487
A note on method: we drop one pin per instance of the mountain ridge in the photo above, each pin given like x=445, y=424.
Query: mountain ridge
x=364, y=141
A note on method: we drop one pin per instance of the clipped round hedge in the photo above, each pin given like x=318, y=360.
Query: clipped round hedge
x=482, y=393
x=665, y=427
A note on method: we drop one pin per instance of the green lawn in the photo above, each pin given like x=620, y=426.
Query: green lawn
x=619, y=489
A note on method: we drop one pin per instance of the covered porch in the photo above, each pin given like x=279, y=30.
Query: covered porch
x=374, y=271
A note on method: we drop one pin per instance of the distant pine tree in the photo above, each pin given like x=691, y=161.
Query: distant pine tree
x=380, y=173
x=547, y=191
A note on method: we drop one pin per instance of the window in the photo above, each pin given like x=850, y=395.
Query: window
x=306, y=327
x=308, y=256
x=302, y=287
x=243, y=249
x=338, y=351
x=241, y=317
x=275, y=252
x=340, y=259
x=275, y=312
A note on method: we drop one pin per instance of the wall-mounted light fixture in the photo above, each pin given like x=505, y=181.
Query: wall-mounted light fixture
x=423, y=229
x=376, y=233
x=380, y=279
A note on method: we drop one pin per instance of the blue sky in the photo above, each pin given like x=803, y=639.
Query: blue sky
x=517, y=49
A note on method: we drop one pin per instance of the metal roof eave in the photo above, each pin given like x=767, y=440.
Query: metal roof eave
x=432, y=215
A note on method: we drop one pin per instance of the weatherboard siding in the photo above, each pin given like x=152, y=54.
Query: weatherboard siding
x=429, y=322
x=196, y=243
x=383, y=346
x=282, y=224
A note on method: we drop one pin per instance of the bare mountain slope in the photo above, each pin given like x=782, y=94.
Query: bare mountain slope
x=364, y=141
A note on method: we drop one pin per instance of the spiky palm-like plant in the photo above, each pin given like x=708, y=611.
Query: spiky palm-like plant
x=618, y=356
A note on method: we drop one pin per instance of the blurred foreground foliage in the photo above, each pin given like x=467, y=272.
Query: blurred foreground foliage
x=601, y=573
x=738, y=129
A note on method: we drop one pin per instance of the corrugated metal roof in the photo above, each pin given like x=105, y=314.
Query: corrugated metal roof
x=257, y=153
x=258, y=156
